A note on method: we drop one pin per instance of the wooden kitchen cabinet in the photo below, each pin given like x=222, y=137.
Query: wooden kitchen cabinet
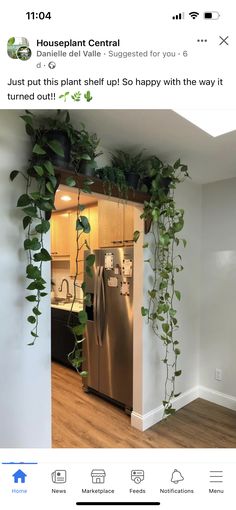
x=115, y=224
x=110, y=224
x=60, y=242
x=128, y=232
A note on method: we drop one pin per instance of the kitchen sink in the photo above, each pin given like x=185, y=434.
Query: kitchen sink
x=61, y=301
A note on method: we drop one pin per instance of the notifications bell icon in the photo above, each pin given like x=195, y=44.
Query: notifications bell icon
x=176, y=476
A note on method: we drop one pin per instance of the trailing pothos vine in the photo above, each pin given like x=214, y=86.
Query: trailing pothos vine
x=82, y=226
x=36, y=202
x=167, y=222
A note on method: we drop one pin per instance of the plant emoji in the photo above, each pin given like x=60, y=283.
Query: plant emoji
x=64, y=96
x=88, y=96
x=76, y=96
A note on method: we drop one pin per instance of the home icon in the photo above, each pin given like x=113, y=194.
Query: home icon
x=98, y=476
x=19, y=476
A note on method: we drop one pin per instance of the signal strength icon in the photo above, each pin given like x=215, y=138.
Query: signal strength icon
x=179, y=16
x=194, y=14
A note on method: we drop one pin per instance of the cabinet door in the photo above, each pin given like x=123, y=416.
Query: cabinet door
x=110, y=220
x=128, y=224
x=73, y=246
x=60, y=245
x=93, y=220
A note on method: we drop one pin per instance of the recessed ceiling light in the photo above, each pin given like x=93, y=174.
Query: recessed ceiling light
x=66, y=198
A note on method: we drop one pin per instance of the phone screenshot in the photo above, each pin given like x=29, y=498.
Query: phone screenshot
x=118, y=255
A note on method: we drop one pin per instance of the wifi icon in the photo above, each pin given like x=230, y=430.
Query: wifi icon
x=194, y=14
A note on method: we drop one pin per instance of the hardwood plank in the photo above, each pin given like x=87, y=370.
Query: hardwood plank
x=83, y=420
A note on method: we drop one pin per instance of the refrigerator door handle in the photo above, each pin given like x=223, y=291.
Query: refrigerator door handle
x=95, y=304
x=101, y=306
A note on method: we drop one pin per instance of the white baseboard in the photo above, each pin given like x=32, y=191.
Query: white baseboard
x=145, y=421
x=216, y=397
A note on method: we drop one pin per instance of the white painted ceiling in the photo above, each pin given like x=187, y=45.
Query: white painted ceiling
x=166, y=134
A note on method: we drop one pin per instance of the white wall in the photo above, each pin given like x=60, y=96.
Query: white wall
x=25, y=398
x=218, y=336
x=188, y=197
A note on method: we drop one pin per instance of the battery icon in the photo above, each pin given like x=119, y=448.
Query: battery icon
x=211, y=15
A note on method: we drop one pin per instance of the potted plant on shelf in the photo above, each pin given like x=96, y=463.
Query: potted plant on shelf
x=133, y=166
x=84, y=152
x=113, y=177
x=56, y=134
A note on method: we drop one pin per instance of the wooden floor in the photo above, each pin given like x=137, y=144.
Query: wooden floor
x=83, y=420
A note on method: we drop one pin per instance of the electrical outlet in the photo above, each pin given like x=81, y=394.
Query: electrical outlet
x=218, y=374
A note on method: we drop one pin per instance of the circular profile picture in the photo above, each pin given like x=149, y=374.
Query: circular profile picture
x=24, y=53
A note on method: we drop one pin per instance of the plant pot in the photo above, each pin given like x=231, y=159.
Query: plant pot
x=132, y=180
x=88, y=168
x=166, y=181
x=65, y=144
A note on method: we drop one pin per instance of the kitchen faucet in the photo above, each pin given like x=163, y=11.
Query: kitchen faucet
x=68, y=294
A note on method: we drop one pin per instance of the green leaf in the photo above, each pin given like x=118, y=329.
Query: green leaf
x=13, y=174
x=31, y=211
x=36, y=286
x=43, y=255
x=88, y=300
x=31, y=298
x=43, y=294
x=90, y=259
x=33, y=272
x=39, y=170
x=145, y=245
x=26, y=221
x=165, y=327
x=31, y=319
x=184, y=242
x=144, y=311
x=169, y=411
x=11, y=41
x=36, y=311
x=43, y=227
x=89, y=271
x=32, y=244
x=83, y=317
x=79, y=329
x=49, y=167
x=178, y=294
x=83, y=287
x=50, y=187
x=56, y=147
x=83, y=224
x=177, y=352
x=136, y=236
x=177, y=395
x=152, y=293
x=177, y=164
x=178, y=373
x=23, y=200
x=38, y=150
x=70, y=182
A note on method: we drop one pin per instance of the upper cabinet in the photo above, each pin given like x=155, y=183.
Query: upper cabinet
x=60, y=241
x=115, y=224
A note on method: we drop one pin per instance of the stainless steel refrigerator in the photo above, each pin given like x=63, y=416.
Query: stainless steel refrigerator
x=108, y=348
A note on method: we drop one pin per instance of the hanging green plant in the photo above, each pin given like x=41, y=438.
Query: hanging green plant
x=36, y=203
x=166, y=222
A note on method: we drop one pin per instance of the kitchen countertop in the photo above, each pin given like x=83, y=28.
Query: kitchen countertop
x=77, y=307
